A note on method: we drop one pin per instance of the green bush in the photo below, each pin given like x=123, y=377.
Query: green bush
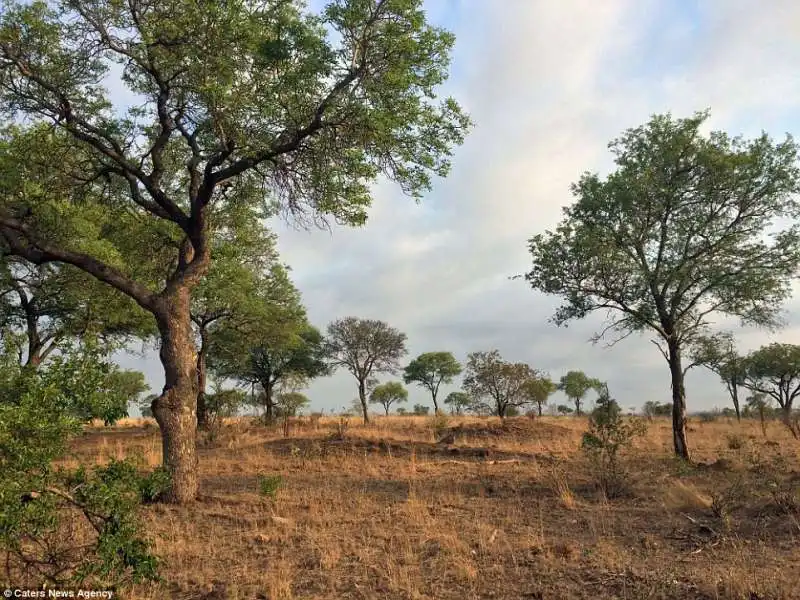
x=58, y=526
x=609, y=434
x=268, y=485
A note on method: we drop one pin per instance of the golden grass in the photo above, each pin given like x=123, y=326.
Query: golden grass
x=504, y=512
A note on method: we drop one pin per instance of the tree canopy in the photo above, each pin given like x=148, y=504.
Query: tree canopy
x=685, y=226
x=575, y=385
x=774, y=371
x=458, y=402
x=386, y=394
x=365, y=347
x=431, y=370
x=717, y=352
x=495, y=384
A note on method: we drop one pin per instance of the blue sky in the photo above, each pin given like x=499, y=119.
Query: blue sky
x=548, y=84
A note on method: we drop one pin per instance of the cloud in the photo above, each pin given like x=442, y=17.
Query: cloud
x=548, y=84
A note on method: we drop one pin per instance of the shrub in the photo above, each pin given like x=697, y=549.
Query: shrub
x=66, y=527
x=609, y=434
x=736, y=441
x=439, y=424
x=268, y=485
x=421, y=409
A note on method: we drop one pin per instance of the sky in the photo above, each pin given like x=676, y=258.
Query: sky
x=548, y=85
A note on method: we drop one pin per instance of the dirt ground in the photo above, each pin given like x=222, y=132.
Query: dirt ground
x=502, y=512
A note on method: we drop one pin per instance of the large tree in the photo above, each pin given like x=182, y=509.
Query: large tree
x=365, y=347
x=575, y=385
x=774, y=371
x=495, y=384
x=717, y=353
x=431, y=370
x=684, y=227
x=230, y=102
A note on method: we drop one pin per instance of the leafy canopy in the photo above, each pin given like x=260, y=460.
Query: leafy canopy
x=388, y=393
x=431, y=370
x=365, y=347
x=495, y=384
x=684, y=227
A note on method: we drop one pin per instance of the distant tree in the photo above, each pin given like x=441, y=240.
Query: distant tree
x=290, y=403
x=388, y=393
x=759, y=403
x=269, y=352
x=421, y=409
x=575, y=385
x=563, y=409
x=685, y=227
x=656, y=409
x=538, y=389
x=458, y=402
x=402, y=411
x=129, y=385
x=718, y=353
x=431, y=370
x=489, y=378
x=774, y=370
x=223, y=404
x=365, y=347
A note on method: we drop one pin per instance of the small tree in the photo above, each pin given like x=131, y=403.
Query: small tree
x=759, y=403
x=290, y=403
x=489, y=377
x=420, y=410
x=388, y=393
x=537, y=390
x=718, y=354
x=575, y=385
x=656, y=409
x=563, y=409
x=365, y=347
x=685, y=227
x=458, y=402
x=609, y=433
x=774, y=370
x=431, y=370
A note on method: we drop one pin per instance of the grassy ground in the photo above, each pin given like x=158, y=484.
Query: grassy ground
x=505, y=512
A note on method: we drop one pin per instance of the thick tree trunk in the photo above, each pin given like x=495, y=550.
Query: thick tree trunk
x=175, y=409
x=787, y=418
x=386, y=407
x=501, y=410
x=678, y=402
x=540, y=410
x=202, y=412
x=735, y=398
x=578, y=410
x=362, y=396
x=435, y=404
x=269, y=404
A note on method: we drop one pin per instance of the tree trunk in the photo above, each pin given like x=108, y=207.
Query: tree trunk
x=269, y=405
x=435, y=405
x=578, y=410
x=362, y=396
x=501, y=410
x=678, y=401
x=735, y=398
x=175, y=409
x=386, y=406
x=202, y=411
x=787, y=418
x=540, y=410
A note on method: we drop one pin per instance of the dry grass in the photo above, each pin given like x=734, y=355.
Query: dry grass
x=503, y=512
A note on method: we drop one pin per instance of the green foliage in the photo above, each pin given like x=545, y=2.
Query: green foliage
x=431, y=370
x=421, y=409
x=388, y=393
x=268, y=486
x=575, y=384
x=563, y=409
x=718, y=353
x=538, y=389
x=609, y=434
x=290, y=403
x=774, y=371
x=489, y=377
x=458, y=402
x=39, y=413
x=684, y=227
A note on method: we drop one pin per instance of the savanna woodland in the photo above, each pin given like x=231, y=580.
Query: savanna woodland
x=151, y=151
